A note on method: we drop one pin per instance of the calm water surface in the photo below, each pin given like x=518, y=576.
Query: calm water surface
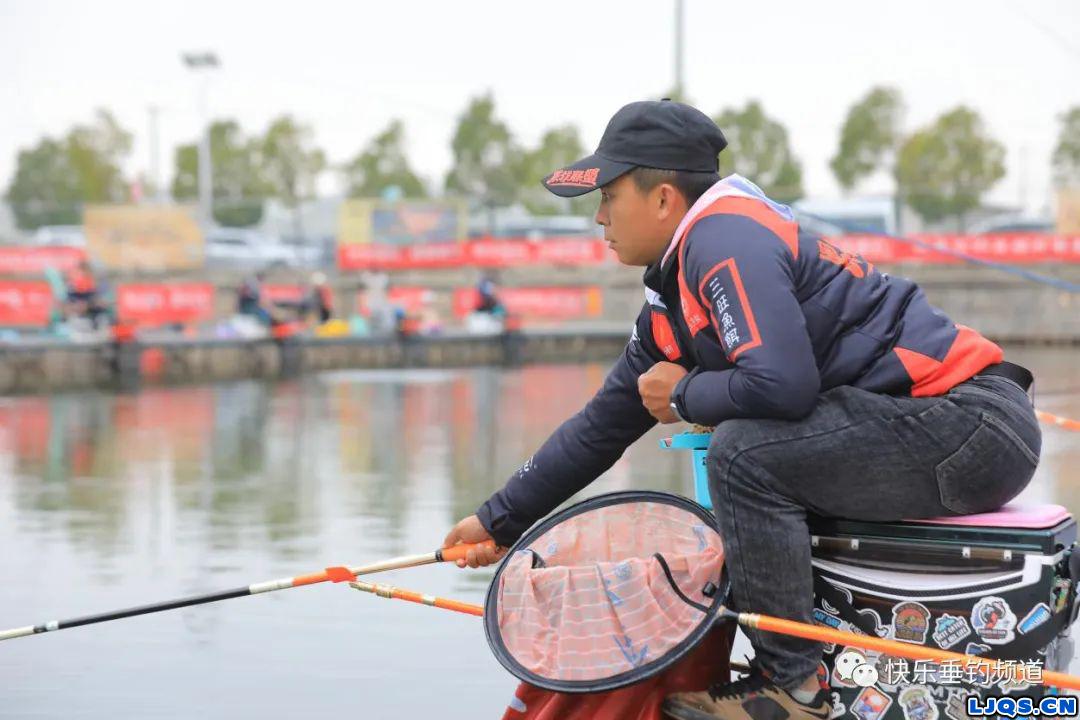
x=108, y=501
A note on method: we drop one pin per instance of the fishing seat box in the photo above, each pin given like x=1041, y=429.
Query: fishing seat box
x=998, y=585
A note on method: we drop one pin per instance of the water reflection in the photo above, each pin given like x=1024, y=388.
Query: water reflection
x=112, y=500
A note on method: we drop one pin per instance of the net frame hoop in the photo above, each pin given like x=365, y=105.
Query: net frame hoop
x=643, y=672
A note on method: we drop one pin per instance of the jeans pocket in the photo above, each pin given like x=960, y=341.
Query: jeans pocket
x=988, y=470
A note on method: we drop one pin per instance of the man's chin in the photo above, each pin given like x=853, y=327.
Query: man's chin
x=625, y=259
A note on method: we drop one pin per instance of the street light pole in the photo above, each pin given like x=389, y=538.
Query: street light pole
x=679, y=51
x=155, y=168
x=205, y=62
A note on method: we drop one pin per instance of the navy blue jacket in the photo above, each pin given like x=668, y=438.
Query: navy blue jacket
x=764, y=318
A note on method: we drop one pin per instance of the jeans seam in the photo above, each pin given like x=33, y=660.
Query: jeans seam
x=745, y=580
x=823, y=433
x=1012, y=436
x=1001, y=377
x=734, y=516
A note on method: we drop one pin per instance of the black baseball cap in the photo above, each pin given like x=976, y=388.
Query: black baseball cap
x=651, y=133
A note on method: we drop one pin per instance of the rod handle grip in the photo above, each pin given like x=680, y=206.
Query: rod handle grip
x=458, y=552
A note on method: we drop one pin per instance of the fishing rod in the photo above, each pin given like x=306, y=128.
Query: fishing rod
x=1062, y=422
x=1011, y=669
x=395, y=593
x=331, y=574
x=895, y=648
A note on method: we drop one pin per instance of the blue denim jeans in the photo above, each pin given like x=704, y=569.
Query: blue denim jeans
x=862, y=456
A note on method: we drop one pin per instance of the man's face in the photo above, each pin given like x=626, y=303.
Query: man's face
x=638, y=225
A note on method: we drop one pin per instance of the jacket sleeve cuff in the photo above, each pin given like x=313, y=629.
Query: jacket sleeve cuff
x=678, y=396
x=498, y=523
x=706, y=397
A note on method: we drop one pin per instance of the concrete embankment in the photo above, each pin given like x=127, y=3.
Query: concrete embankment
x=53, y=365
x=1007, y=308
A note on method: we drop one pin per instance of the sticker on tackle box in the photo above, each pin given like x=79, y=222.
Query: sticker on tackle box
x=993, y=620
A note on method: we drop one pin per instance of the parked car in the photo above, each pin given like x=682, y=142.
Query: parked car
x=239, y=247
x=856, y=216
x=59, y=235
x=810, y=224
x=1012, y=224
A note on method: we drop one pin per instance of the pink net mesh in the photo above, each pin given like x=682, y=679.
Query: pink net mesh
x=601, y=605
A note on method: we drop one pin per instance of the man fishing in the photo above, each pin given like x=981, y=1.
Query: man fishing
x=834, y=389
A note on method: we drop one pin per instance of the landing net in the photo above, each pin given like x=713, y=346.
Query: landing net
x=607, y=592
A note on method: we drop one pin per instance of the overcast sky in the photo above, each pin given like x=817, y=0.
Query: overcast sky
x=349, y=68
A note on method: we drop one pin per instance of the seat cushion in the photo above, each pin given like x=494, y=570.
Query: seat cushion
x=1028, y=516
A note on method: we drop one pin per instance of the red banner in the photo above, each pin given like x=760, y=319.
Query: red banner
x=571, y=251
x=492, y=253
x=548, y=303
x=147, y=304
x=34, y=260
x=436, y=255
x=271, y=294
x=501, y=253
x=1018, y=249
x=483, y=252
x=25, y=303
x=366, y=256
x=411, y=299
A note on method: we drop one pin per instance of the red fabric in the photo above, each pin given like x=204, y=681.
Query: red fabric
x=970, y=353
x=693, y=313
x=81, y=282
x=664, y=337
x=706, y=664
x=760, y=213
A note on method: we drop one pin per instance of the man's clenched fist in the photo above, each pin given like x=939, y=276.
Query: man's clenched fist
x=655, y=386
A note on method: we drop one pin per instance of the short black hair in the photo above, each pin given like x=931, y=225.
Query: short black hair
x=692, y=185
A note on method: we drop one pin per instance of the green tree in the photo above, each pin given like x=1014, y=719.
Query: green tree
x=944, y=170
x=55, y=178
x=44, y=189
x=289, y=163
x=558, y=148
x=485, y=157
x=96, y=152
x=1066, y=158
x=759, y=150
x=870, y=134
x=239, y=189
x=383, y=164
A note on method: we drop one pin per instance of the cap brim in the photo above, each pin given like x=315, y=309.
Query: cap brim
x=585, y=176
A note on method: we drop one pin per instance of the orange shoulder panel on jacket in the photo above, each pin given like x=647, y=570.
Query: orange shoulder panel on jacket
x=664, y=336
x=969, y=353
x=762, y=214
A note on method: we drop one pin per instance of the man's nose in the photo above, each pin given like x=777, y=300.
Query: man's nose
x=601, y=217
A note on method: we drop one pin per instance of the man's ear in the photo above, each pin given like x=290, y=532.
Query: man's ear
x=668, y=200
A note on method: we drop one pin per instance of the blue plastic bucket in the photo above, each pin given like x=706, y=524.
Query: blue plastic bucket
x=698, y=445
